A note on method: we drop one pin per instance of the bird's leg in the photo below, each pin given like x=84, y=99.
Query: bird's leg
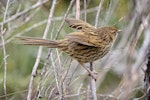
x=92, y=68
x=94, y=73
x=91, y=72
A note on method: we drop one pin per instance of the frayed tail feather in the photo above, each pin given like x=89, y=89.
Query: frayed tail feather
x=38, y=41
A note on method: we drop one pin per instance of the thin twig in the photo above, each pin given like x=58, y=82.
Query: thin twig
x=98, y=12
x=5, y=64
x=13, y=93
x=85, y=10
x=56, y=78
x=40, y=51
x=77, y=9
x=39, y=3
x=66, y=14
x=79, y=90
x=4, y=49
x=27, y=19
x=72, y=74
x=64, y=78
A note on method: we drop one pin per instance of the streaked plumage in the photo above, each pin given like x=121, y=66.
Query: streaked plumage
x=86, y=45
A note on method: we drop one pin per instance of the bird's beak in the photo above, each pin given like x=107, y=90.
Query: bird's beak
x=120, y=31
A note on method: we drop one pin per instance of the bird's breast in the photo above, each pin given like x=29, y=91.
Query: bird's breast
x=84, y=53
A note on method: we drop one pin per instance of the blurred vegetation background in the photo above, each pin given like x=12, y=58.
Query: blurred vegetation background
x=21, y=58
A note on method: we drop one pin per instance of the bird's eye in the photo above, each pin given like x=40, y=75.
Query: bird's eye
x=113, y=31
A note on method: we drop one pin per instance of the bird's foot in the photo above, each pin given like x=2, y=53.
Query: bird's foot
x=93, y=74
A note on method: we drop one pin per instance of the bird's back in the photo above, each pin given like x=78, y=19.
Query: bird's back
x=84, y=53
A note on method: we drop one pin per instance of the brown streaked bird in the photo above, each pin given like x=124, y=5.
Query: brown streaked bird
x=86, y=45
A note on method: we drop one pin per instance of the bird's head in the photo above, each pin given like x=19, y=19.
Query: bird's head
x=108, y=31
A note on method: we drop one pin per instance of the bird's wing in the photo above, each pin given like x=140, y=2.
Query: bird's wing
x=79, y=25
x=86, y=39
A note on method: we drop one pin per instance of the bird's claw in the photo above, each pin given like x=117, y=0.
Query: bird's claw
x=93, y=74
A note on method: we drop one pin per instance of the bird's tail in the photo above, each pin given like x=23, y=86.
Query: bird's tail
x=38, y=42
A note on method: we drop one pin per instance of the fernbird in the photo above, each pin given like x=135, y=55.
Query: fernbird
x=86, y=45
